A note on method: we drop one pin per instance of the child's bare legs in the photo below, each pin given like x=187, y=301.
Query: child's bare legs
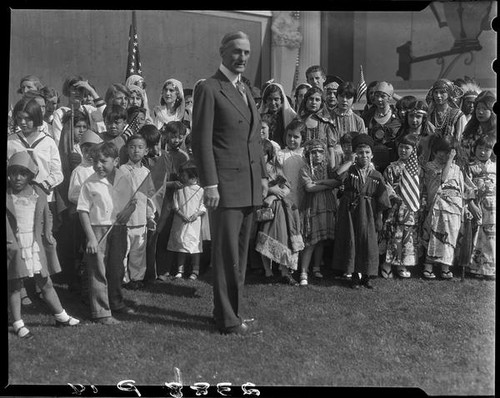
x=304, y=264
x=266, y=262
x=445, y=272
x=51, y=298
x=15, y=287
x=318, y=257
x=428, y=265
x=181, y=262
x=195, y=266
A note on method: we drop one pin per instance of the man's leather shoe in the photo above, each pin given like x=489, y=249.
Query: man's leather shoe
x=125, y=310
x=242, y=329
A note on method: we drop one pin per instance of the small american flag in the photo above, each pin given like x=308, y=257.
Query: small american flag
x=134, y=66
x=361, y=89
x=410, y=183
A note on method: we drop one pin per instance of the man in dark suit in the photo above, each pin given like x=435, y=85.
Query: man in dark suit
x=227, y=151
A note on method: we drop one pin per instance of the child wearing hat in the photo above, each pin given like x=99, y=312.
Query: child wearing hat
x=31, y=248
x=359, y=217
x=382, y=125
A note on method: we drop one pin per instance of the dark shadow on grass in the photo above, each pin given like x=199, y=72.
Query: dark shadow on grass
x=155, y=315
x=171, y=288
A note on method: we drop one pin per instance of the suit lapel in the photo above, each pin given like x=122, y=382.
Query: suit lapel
x=232, y=94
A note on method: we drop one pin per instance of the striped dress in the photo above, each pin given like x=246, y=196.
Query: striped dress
x=319, y=209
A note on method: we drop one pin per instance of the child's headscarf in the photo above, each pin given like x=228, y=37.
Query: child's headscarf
x=180, y=96
x=134, y=81
x=144, y=97
x=287, y=110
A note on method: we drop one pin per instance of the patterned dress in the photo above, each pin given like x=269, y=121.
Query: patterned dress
x=356, y=242
x=401, y=226
x=444, y=208
x=483, y=256
x=319, y=208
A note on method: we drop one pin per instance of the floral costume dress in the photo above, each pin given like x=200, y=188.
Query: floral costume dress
x=444, y=208
x=483, y=176
x=401, y=226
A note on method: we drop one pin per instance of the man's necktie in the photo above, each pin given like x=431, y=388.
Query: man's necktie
x=241, y=88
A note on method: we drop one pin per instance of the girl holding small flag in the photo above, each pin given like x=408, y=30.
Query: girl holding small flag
x=403, y=180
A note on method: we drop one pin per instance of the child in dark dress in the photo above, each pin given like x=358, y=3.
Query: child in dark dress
x=359, y=217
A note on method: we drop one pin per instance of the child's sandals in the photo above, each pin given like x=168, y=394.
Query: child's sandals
x=193, y=276
x=386, y=273
x=70, y=322
x=404, y=274
x=447, y=275
x=24, y=333
x=429, y=274
x=317, y=274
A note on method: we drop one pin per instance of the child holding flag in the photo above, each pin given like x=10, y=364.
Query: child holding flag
x=403, y=180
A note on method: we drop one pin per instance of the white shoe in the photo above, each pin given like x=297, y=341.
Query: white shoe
x=303, y=280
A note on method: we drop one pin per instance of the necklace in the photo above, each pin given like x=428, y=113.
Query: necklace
x=441, y=118
x=380, y=115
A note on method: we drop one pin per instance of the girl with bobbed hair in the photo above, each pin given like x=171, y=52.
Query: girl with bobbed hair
x=117, y=94
x=318, y=126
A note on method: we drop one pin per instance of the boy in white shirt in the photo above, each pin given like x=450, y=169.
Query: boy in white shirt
x=142, y=218
x=105, y=205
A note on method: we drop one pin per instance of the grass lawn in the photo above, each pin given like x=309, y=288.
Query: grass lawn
x=436, y=335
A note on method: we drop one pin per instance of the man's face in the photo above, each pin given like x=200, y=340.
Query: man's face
x=235, y=55
x=316, y=79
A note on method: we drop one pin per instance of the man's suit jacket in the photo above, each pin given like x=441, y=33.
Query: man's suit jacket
x=226, y=142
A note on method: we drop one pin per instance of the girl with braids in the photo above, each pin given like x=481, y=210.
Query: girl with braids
x=319, y=208
x=416, y=122
x=444, y=112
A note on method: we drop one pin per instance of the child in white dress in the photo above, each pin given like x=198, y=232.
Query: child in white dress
x=31, y=248
x=186, y=232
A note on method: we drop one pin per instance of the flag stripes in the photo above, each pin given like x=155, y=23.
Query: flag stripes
x=410, y=192
x=361, y=89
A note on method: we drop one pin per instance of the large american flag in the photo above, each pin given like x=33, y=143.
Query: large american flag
x=410, y=183
x=361, y=89
x=134, y=60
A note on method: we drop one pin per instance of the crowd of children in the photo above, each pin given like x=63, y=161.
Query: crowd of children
x=108, y=189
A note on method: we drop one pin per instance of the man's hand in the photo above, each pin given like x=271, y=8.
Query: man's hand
x=211, y=197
